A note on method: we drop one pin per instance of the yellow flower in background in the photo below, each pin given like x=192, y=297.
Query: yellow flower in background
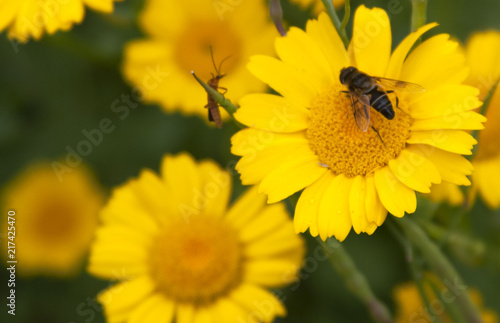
x=32, y=18
x=180, y=44
x=482, y=55
x=317, y=5
x=183, y=255
x=55, y=220
x=411, y=308
x=308, y=138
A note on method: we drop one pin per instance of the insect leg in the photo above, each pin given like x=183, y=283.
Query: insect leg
x=378, y=133
x=397, y=100
x=222, y=88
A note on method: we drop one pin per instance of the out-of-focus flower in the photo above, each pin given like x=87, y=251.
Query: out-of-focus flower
x=308, y=138
x=482, y=54
x=32, y=18
x=411, y=308
x=55, y=220
x=161, y=64
x=317, y=5
x=184, y=256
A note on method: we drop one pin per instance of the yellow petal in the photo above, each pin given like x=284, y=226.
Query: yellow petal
x=280, y=242
x=396, y=197
x=299, y=50
x=307, y=209
x=271, y=113
x=264, y=305
x=375, y=211
x=486, y=178
x=104, y=6
x=334, y=217
x=414, y=170
x=155, y=309
x=327, y=39
x=447, y=192
x=185, y=313
x=482, y=55
x=288, y=81
x=264, y=222
x=123, y=298
x=455, y=141
x=181, y=177
x=357, y=207
x=245, y=208
x=203, y=315
x=445, y=100
x=452, y=167
x=248, y=142
x=399, y=55
x=215, y=189
x=271, y=272
x=228, y=311
x=469, y=120
x=443, y=61
x=9, y=11
x=371, y=40
x=291, y=177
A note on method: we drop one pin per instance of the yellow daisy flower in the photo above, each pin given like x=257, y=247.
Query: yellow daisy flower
x=482, y=55
x=55, y=220
x=308, y=138
x=161, y=64
x=183, y=255
x=317, y=5
x=410, y=308
x=32, y=18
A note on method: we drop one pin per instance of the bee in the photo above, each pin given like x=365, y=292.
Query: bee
x=212, y=105
x=372, y=91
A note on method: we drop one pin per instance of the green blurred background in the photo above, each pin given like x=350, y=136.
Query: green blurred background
x=51, y=90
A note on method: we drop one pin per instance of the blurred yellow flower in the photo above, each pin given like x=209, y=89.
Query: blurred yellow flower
x=410, y=308
x=55, y=220
x=184, y=256
x=317, y=5
x=482, y=55
x=180, y=44
x=32, y=18
x=308, y=138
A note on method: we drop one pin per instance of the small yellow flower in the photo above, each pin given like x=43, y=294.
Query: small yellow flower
x=307, y=138
x=55, y=221
x=180, y=44
x=32, y=18
x=410, y=308
x=183, y=255
x=317, y=5
x=482, y=55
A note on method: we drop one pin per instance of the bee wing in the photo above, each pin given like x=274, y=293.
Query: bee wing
x=390, y=84
x=361, y=110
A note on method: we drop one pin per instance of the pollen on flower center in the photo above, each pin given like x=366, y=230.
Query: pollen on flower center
x=338, y=142
x=193, y=48
x=196, y=262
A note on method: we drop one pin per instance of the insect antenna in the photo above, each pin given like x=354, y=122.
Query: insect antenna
x=213, y=61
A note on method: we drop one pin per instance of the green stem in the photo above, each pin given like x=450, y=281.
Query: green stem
x=418, y=14
x=347, y=15
x=220, y=99
x=330, y=9
x=355, y=280
x=442, y=267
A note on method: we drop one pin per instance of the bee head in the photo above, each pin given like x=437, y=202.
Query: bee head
x=345, y=72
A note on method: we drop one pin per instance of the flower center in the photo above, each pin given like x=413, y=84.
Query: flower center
x=196, y=262
x=55, y=222
x=338, y=142
x=488, y=145
x=193, y=48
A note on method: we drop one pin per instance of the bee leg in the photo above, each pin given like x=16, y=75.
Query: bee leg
x=378, y=134
x=346, y=92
